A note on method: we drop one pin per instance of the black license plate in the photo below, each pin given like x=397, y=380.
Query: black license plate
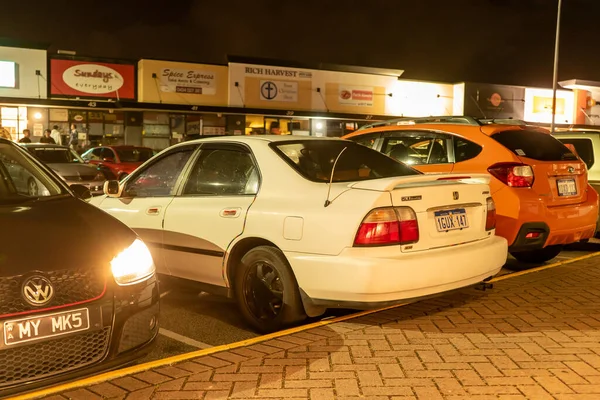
x=46, y=326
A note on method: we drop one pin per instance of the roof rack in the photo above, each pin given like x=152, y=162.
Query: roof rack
x=446, y=119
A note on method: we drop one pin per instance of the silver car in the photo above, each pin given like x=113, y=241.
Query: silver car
x=70, y=166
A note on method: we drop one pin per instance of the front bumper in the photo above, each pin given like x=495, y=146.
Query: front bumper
x=384, y=275
x=125, y=332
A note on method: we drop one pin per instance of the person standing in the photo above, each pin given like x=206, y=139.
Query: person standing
x=73, y=137
x=26, y=136
x=47, y=138
x=55, y=134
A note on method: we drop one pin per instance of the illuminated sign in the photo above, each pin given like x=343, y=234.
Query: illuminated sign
x=8, y=74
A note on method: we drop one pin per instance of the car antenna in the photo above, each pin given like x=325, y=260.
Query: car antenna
x=327, y=202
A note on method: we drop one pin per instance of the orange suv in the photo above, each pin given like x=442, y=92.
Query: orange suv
x=543, y=199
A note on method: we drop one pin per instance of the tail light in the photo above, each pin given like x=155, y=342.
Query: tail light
x=513, y=174
x=388, y=226
x=490, y=218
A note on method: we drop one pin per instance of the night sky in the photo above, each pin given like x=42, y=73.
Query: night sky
x=493, y=41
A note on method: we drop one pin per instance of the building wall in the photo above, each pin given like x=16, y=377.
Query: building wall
x=26, y=63
x=182, y=83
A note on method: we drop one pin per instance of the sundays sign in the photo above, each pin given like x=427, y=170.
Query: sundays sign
x=70, y=78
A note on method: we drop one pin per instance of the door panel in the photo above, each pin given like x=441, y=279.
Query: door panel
x=210, y=212
x=145, y=199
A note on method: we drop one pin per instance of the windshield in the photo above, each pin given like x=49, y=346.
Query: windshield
x=56, y=155
x=136, y=154
x=314, y=160
x=534, y=144
x=21, y=179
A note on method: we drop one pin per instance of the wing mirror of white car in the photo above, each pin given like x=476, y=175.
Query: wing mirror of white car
x=81, y=192
x=112, y=188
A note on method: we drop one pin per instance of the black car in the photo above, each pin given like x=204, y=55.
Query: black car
x=78, y=291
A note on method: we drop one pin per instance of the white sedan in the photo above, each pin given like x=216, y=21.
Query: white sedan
x=291, y=226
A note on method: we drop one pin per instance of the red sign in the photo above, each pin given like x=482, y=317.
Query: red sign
x=362, y=95
x=87, y=79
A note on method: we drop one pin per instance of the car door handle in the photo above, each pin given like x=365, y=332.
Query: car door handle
x=230, y=212
x=153, y=211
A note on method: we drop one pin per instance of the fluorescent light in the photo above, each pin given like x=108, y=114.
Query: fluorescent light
x=8, y=75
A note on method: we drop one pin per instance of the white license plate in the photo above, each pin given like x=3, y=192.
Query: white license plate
x=566, y=187
x=46, y=326
x=449, y=220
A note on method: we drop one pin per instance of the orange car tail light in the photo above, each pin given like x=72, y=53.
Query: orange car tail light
x=513, y=174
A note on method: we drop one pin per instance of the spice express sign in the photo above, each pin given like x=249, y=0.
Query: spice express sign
x=70, y=78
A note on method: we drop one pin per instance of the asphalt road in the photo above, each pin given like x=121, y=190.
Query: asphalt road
x=192, y=320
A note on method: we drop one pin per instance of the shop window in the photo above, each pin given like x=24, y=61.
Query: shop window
x=114, y=124
x=255, y=125
x=14, y=120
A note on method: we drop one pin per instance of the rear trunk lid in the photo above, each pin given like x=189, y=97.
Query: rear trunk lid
x=560, y=177
x=451, y=209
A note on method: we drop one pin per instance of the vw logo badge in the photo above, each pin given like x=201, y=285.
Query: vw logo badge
x=38, y=291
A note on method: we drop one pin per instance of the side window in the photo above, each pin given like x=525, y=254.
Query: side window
x=366, y=140
x=465, y=150
x=417, y=148
x=95, y=155
x=107, y=153
x=223, y=172
x=159, y=178
x=584, y=148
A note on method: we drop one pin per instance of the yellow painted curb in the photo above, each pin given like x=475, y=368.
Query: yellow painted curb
x=187, y=356
x=543, y=267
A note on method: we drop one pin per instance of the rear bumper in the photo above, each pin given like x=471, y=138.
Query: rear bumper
x=521, y=212
x=371, y=277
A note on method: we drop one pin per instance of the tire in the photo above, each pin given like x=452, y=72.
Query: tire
x=537, y=256
x=267, y=310
x=32, y=187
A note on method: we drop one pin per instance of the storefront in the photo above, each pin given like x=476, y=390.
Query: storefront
x=101, y=84
x=538, y=106
x=23, y=74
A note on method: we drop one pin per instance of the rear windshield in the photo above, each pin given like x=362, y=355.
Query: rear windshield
x=314, y=160
x=533, y=144
x=137, y=154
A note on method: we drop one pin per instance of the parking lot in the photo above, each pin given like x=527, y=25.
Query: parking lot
x=192, y=320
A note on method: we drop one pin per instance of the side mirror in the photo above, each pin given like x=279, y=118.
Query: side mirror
x=112, y=188
x=81, y=192
x=108, y=159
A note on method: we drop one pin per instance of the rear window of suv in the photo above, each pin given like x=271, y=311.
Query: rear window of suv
x=533, y=144
x=314, y=160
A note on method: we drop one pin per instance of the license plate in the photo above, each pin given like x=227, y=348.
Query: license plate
x=449, y=220
x=46, y=326
x=566, y=187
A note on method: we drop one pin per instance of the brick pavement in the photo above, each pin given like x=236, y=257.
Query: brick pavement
x=535, y=336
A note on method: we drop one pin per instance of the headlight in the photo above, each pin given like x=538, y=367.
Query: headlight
x=133, y=265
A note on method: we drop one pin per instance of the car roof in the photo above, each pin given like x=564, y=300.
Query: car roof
x=257, y=138
x=43, y=145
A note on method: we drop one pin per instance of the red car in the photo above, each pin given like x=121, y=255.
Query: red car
x=121, y=160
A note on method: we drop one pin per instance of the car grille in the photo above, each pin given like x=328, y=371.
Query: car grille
x=82, y=178
x=44, y=359
x=70, y=286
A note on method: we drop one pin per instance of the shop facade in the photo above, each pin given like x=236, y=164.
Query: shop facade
x=157, y=103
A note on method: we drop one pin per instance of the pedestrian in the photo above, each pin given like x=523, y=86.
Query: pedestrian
x=47, y=138
x=56, y=135
x=74, y=137
x=4, y=133
x=26, y=136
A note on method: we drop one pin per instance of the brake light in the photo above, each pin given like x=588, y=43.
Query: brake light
x=388, y=226
x=513, y=174
x=490, y=218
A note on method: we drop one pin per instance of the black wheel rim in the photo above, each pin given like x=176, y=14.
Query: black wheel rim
x=263, y=291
